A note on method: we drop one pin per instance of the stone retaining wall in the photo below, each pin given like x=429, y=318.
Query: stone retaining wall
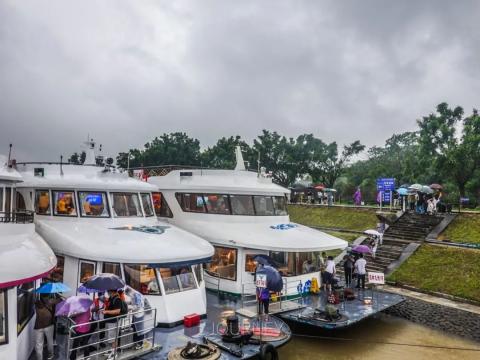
x=455, y=321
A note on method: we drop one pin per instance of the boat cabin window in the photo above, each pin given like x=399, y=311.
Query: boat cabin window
x=147, y=204
x=112, y=268
x=64, y=203
x=1, y=199
x=280, y=205
x=242, y=205
x=160, y=204
x=217, y=204
x=250, y=264
x=87, y=270
x=42, y=202
x=93, y=204
x=191, y=202
x=56, y=275
x=3, y=317
x=263, y=205
x=142, y=278
x=25, y=305
x=224, y=263
x=293, y=264
x=177, y=279
x=126, y=204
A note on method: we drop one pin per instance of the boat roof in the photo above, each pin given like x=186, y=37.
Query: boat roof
x=129, y=240
x=8, y=173
x=272, y=235
x=218, y=181
x=24, y=255
x=79, y=177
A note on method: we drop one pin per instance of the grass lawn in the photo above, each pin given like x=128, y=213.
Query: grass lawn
x=344, y=235
x=334, y=217
x=464, y=229
x=443, y=269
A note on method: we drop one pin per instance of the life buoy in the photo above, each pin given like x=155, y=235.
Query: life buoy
x=268, y=351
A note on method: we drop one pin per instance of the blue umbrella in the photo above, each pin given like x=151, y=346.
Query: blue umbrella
x=402, y=191
x=82, y=290
x=52, y=288
x=104, y=282
x=274, y=279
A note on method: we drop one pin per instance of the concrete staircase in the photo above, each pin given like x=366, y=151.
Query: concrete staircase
x=409, y=228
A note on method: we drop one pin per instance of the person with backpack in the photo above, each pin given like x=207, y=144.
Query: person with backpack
x=116, y=307
x=44, y=325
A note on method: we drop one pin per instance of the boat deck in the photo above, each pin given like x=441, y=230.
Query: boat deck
x=217, y=311
x=351, y=311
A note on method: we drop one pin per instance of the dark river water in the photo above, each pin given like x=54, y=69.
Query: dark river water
x=382, y=337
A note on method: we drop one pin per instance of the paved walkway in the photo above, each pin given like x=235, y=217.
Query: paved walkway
x=433, y=299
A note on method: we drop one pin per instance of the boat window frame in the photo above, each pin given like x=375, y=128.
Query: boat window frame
x=274, y=204
x=227, y=196
x=107, y=205
x=155, y=272
x=31, y=292
x=142, y=215
x=264, y=197
x=4, y=294
x=181, y=202
x=54, y=203
x=163, y=202
x=35, y=204
x=149, y=194
x=86, y=261
x=236, y=264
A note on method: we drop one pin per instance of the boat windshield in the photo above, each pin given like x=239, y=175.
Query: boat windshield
x=126, y=204
x=142, y=278
x=147, y=204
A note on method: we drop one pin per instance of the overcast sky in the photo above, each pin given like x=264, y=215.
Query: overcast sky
x=125, y=71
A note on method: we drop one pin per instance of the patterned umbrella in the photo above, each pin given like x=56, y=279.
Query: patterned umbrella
x=417, y=187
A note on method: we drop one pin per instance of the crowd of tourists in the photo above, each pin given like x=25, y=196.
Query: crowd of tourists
x=92, y=321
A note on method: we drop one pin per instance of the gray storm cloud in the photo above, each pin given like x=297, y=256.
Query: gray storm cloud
x=125, y=71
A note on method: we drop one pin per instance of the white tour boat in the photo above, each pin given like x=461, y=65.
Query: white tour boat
x=243, y=214
x=98, y=220
x=24, y=259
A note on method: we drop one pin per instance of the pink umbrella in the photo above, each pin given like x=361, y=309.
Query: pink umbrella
x=364, y=249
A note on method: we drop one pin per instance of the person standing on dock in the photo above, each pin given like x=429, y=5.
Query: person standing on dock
x=360, y=269
x=329, y=273
x=348, y=269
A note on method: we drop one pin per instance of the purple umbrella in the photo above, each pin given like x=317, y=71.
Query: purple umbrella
x=73, y=305
x=364, y=249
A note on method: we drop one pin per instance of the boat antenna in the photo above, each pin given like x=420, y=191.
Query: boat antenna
x=9, y=155
x=61, y=165
x=240, y=166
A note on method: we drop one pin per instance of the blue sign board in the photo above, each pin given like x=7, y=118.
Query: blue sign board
x=386, y=184
x=386, y=197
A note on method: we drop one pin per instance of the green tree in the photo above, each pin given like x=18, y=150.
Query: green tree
x=77, y=159
x=222, y=154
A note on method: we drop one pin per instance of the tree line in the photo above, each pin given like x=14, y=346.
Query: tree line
x=444, y=149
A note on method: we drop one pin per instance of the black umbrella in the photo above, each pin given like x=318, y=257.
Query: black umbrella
x=104, y=282
x=265, y=260
x=274, y=279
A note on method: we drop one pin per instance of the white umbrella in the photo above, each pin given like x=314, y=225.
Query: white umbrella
x=372, y=232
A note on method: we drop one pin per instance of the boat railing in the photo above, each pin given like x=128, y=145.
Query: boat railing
x=17, y=217
x=122, y=337
x=212, y=282
x=289, y=292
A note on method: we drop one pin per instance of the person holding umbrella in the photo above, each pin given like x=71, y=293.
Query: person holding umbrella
x=44, y=325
